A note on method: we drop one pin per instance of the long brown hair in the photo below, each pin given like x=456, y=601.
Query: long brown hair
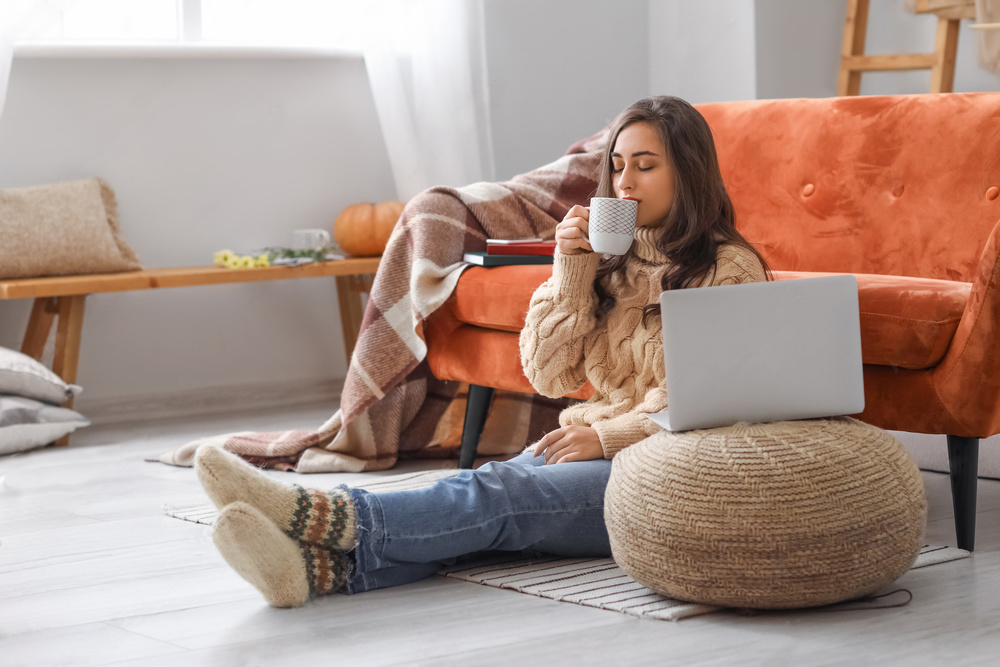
x=702, y=216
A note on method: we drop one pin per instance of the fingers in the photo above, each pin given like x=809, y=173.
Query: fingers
x=577, y=212
x=567, y=454
x=547, y=440
x=544, y=446
x=571, y=233
x=572, y=245
x=557, y=449
x=574, y=443
x=569, y=443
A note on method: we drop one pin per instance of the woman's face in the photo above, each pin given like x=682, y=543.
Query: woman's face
x=641, y=171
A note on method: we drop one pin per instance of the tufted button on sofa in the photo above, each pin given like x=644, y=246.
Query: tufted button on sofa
x=901, y=191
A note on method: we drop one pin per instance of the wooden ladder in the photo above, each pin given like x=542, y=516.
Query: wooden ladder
x=941, y=62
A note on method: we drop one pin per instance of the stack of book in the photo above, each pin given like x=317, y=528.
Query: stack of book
x=504, y=252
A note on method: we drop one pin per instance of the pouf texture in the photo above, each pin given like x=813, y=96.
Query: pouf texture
x=766, y=516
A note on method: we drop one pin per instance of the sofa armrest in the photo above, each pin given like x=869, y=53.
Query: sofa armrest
x=968, y=378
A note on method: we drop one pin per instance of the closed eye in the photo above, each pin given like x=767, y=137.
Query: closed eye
x=621, y=169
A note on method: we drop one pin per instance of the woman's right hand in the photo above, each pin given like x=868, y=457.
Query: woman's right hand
x=571, y=233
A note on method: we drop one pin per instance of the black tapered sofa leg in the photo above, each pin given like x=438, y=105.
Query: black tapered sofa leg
x=476, y=410
x=963, y=461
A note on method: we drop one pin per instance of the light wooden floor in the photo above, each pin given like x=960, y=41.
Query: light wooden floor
x=92, y=573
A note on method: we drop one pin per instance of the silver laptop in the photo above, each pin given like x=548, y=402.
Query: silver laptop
x=761, y=352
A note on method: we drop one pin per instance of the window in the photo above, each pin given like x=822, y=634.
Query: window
x=290, y=23
x=295, y=22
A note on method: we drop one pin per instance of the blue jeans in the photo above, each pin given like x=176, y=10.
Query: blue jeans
x=405, y=536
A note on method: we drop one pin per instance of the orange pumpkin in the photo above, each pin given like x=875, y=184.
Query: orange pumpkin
x=364, y=229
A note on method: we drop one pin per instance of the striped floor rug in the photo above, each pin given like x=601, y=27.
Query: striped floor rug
x=592, y=582
x=599, y=582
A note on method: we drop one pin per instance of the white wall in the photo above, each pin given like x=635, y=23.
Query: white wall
x=798, y=46
x=560, y=71
x=203, y=153
x=702, y=51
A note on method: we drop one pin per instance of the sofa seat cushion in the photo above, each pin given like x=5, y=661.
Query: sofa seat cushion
x=484, y=356
x=905, y=322
x=497, y=297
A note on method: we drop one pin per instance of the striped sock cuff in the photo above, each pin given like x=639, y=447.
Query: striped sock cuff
x=326, y=570
x=325, y=519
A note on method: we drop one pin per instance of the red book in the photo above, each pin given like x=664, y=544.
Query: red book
x=542, y=248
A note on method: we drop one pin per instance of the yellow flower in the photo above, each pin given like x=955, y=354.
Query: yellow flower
x=233, y=262
x=263, y=262
x=247, y=262
x=221, y=257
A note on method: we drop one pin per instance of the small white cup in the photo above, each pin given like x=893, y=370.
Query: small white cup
x=612, y=225
x=310, y=239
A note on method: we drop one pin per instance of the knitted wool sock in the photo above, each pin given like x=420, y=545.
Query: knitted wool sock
x=322, y=518
x=286, y=572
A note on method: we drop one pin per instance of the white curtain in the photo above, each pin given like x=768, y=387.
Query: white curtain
x=6, y=56
x=19, y=19
x=426, y=62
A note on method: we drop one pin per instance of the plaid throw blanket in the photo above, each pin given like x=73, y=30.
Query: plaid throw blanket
x=391, y=404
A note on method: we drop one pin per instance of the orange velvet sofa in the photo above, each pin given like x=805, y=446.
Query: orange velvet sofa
x=901, y=191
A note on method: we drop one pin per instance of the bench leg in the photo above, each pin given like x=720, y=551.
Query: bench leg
x=476, y=410
x=43, y=312
x=963, y=461
x=68, y=335
x=349, y=289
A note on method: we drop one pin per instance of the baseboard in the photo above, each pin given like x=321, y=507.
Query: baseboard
x=931, y=452
x=210, y=400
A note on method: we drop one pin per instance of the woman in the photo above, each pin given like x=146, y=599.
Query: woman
x=595, y=319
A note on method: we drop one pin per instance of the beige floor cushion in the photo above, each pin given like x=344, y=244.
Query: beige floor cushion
x=766, y=516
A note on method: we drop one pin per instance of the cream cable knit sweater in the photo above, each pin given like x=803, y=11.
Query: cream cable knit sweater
x=563, y=344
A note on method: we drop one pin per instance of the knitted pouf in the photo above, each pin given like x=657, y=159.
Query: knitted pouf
x=766, y=516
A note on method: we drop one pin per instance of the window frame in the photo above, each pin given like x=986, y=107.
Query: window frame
x=188, y=44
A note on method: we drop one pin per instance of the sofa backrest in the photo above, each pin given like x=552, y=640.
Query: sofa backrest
x=899, y=185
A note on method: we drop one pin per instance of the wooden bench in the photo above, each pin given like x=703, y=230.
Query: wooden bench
x=63, y=298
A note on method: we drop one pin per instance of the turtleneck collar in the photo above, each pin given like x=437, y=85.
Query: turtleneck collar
x=645, y=245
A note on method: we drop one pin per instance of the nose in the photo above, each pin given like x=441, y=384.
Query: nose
x=625, y=180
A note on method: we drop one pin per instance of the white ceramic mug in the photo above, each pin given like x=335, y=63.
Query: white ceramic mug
x=310, y=239
x=612, y=225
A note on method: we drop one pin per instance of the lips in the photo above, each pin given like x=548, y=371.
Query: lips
x=630, y=198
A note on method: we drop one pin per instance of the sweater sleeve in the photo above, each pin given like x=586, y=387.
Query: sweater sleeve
x=560, y=315
x=624, y=430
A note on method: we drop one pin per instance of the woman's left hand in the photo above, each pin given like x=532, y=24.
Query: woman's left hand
x=570, y=443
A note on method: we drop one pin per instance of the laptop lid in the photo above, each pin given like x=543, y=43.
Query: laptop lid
x=761, y=352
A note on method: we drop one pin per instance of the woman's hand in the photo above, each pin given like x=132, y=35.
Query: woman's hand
x=570, y=443
x=571, y=232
